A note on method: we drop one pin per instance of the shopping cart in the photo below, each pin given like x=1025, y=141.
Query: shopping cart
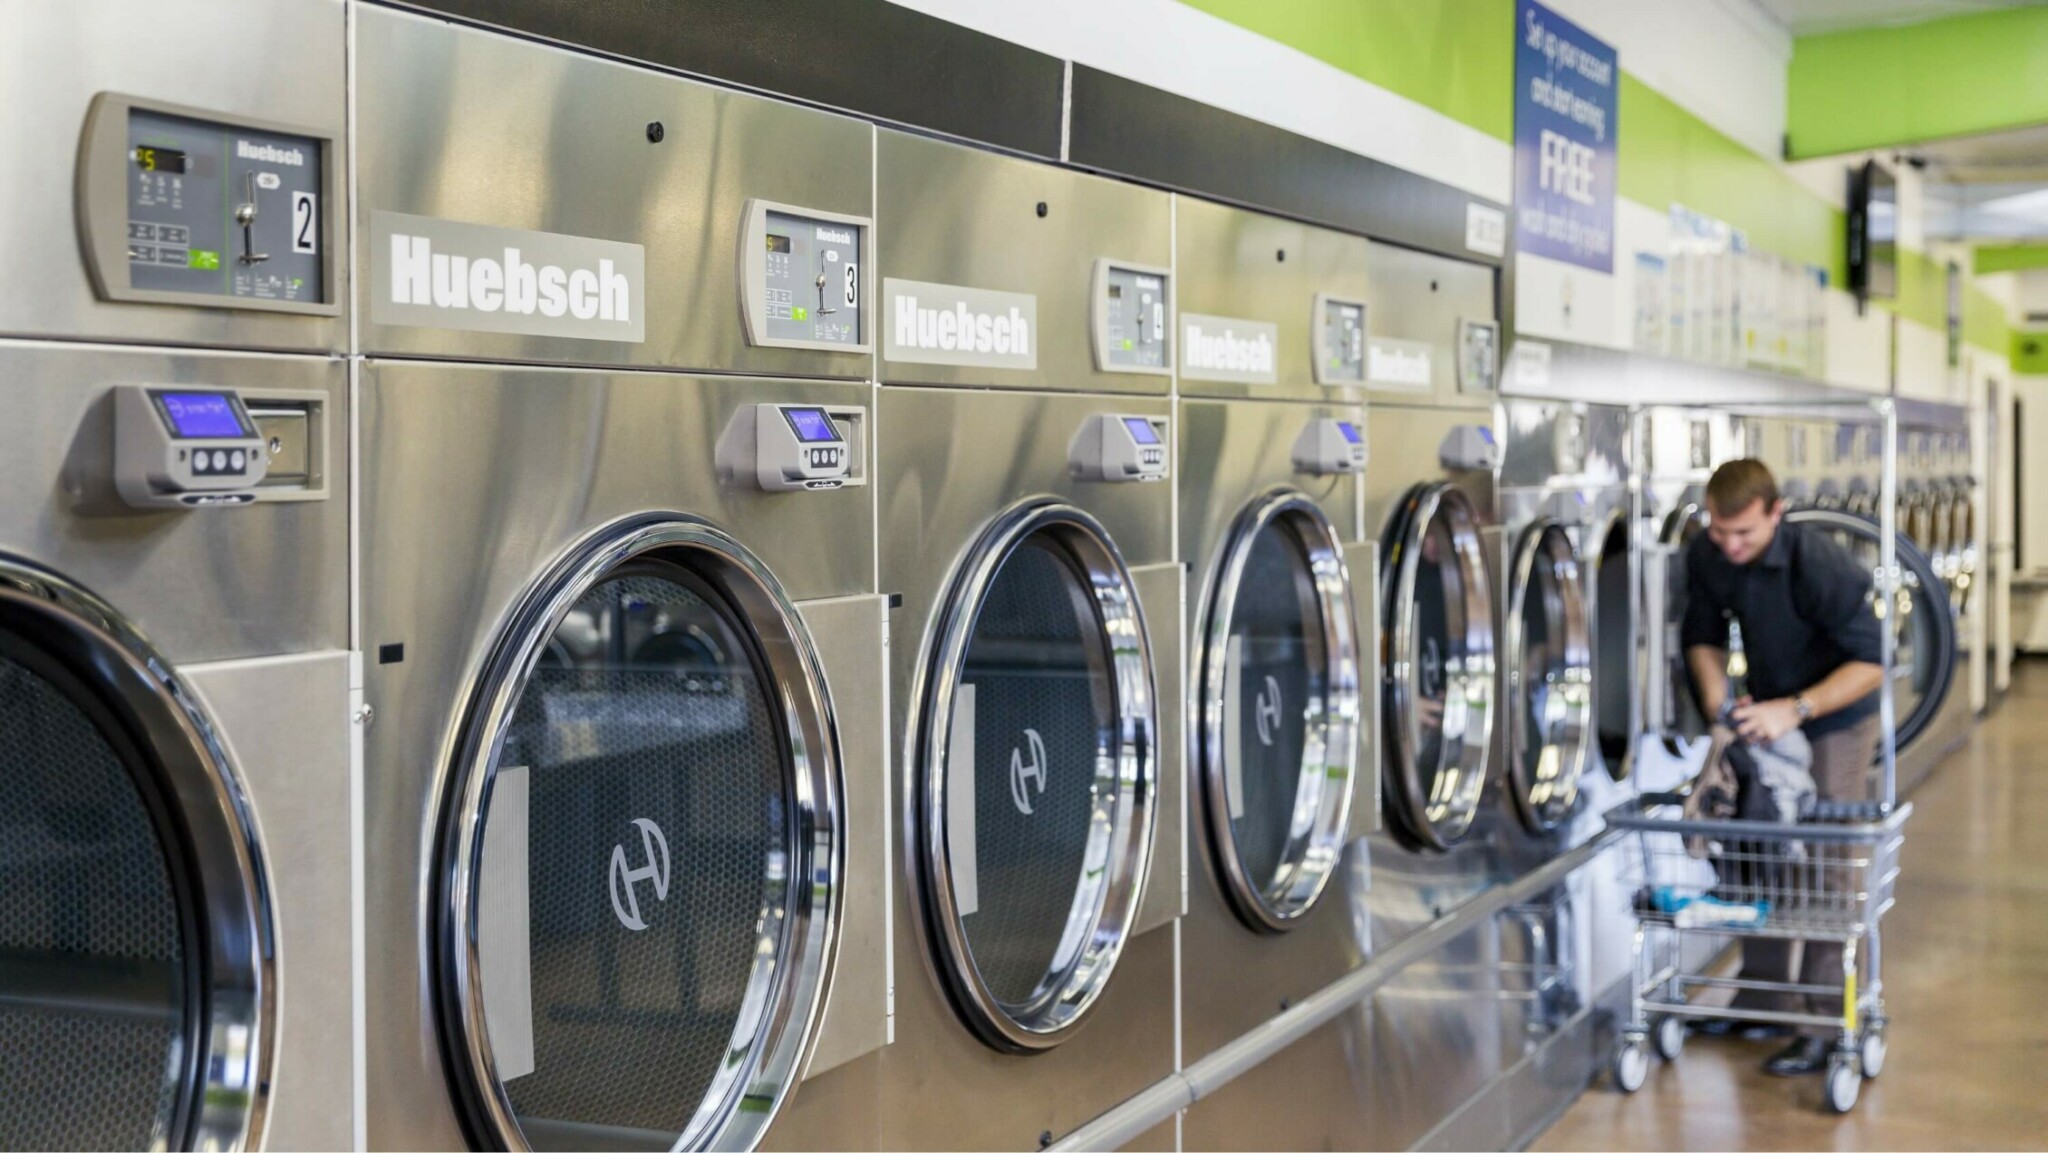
x=1826, y=879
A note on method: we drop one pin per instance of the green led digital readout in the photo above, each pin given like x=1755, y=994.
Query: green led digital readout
x=203, y=258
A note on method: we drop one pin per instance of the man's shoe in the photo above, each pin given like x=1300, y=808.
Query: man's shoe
x=1803, y=1056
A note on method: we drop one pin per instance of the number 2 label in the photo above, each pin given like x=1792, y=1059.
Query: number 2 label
x=305, y=222
x=852, y=285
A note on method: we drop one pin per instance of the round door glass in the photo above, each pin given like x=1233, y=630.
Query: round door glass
x=1279, y=707
x=1614, y=641
x=636, y=877
x=1551, y=682
x=1682, y=717
x=1036, y=775
x=94, y=1004
x=1440, y=680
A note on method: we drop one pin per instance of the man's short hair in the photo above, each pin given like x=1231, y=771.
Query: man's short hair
x=1740, y=483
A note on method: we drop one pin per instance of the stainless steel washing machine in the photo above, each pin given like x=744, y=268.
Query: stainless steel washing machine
x=626, y=830
x=1283, y=631
x=176, y=967
x=1026, y=523
x=175, y=960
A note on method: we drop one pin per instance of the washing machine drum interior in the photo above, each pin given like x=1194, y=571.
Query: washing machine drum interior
x=1614, y=644
x=1682, y=717
x=1438, y=668
x=1278, y=709
x=1550, y=676
x=642, y=852
x=1035, y=775
x=133, y=938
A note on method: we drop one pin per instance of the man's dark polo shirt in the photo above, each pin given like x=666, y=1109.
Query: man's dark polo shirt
x=1805, y=611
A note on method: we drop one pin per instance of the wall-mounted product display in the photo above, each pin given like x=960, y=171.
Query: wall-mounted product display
x=174, y=692
x=1714, y=297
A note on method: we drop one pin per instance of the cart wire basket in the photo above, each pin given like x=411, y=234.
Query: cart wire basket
x=1829, y=878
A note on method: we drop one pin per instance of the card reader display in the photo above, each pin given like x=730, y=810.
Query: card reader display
x=185, y=448
x=1478, y=356
x=1340, y=341
x=1133, y=314
x=1115, y=448
x=803, y=278
x=799, y=447
x=1330, y=446
x=216, y=209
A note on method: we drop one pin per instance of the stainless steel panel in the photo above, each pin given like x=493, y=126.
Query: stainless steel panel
x=202, y=584
x=852, y=635
x=1563, y=445
x=1234, y=263
x=239, y=58
x=1162, y=595
x=1363, y=559
x=1419, y=297
x=1403, y=452
x=948, y=214
x=473, y=126
x=472, y=480
x=1322, y=1092
x=285, y=721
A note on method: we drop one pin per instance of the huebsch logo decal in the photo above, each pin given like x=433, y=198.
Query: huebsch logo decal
x=625, y=879
x=1226, y=348
x=951, y=324
x=269, y=153
x=449, y=274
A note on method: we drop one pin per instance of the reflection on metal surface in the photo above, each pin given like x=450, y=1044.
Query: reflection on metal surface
x=1438, y=666
x=1277, y=643
x=1547, y=648
x=654, y=648
x=136, y=930
x=1042, y=623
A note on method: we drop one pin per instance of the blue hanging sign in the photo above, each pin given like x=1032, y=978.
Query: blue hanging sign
x=1567, y=91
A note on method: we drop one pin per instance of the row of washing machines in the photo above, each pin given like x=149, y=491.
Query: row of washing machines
x=548, y=604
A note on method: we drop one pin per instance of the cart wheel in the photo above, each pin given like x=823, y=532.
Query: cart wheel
x=1631, y=1064
x=1870, y=1053
x=1669, y=1037
x=1844, y=1082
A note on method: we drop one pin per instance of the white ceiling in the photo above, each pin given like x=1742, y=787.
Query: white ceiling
x=1805, y=17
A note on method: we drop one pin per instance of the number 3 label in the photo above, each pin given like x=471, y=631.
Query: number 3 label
x=305, y=222
x=852, y=285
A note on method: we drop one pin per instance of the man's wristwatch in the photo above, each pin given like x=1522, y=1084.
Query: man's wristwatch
x=1803, y=707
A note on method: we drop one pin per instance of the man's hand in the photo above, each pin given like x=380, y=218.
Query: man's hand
x=1761, y=722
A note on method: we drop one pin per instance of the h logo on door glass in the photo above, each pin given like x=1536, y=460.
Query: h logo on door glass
x=1266, y=710
x=1027, y=777
x=625, y=881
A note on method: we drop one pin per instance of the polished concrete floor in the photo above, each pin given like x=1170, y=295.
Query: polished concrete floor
x=1966, y=982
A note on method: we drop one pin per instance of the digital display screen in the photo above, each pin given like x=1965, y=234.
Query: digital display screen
x=1349, y=430
x=812, y=425
x=202, y=414
x=1141, y=430
x=150, y=158
x=778, y=243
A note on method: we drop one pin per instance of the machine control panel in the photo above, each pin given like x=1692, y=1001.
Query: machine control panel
x=1339, y=328
x=1330, y=446
x=1795, y=448
x=1478, y=355
x=1699, y=444
x=1469, y=448
x=1132, y=325
x=181, y=208
x=803, y=278
x=1568, y=443
x=806, y=447
x=1845, y=444
x=186, y=447
x=1115, y=447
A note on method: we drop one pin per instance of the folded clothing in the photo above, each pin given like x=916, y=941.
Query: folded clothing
x=1688, y=911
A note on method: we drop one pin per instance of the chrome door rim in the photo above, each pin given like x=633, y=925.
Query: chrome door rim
x=1545, y=543
x=1439, y=821
x=1330, y=747
x=1062, y=1008
x=231, y=1021
x=785, y=992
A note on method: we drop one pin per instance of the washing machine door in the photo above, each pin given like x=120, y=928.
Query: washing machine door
x=1034, y=769
x=135, y=939
x=641, y=852
x=1682, y=719
x=1438, y=666
x=1923, y=628
x=1277, y=704
x=1614, y=641
x=1964, y=535
x=1547, y=652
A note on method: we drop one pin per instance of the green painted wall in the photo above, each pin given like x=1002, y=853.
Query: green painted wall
x=1872, y=88
x=2008, y=258
x=2030, y=353
x=1454, y=56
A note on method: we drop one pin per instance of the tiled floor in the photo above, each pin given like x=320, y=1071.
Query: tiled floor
x=1966, y=986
